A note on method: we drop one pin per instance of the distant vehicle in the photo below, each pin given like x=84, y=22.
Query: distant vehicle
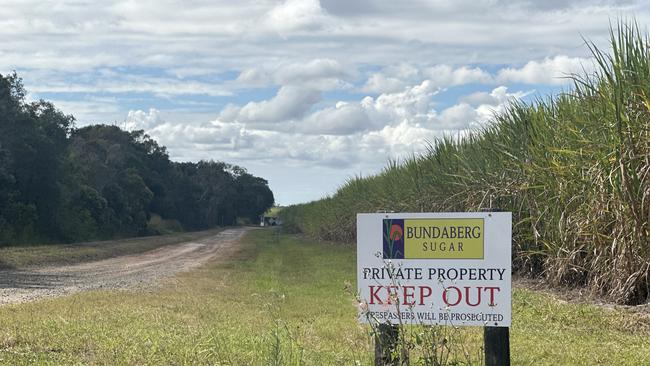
x=270, y=221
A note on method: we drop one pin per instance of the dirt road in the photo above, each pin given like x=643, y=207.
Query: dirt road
x=126, y=272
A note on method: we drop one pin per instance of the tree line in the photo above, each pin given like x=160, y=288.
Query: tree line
x=62, y=183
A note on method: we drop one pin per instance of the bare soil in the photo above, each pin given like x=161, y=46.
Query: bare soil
x=126, y=272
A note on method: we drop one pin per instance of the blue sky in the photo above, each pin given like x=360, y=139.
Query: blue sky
x=305, y=93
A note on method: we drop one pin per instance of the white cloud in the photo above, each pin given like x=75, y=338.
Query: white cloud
x=497, y=96
x=111, y=83
x=296, y=15
x=365, y=132
x=343, y=119
x=486, y=105
x=288, y=104
x=381, y=83
x=445, y=75
x=413, y=105
x=316, y=72
x=550, y=71
x=458, y=117
x=399, y=141
x=392, y=79
x=397, y=77
x=323, y=74
x=254, y=77
x=287, y=112
x=478, y=98
x=141, y=120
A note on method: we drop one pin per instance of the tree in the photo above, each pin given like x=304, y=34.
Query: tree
x=254, y=197
x=34, y=140
x=61, y=183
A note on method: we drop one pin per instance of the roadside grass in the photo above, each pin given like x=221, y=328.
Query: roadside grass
x=38, y=255
x=281, y=300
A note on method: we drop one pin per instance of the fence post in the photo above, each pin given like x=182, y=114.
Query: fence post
x=496, y=340
x=386, y=338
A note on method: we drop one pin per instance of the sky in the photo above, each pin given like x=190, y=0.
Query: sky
x=304, y=93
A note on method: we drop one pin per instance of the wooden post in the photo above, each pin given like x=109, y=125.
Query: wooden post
x=386, y=339
x=496, y=343
x=496, y=340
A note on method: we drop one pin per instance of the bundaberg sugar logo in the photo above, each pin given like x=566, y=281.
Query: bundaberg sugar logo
x=393, y=235
x=433, y=238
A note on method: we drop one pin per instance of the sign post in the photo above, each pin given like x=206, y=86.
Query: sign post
x=496, y=343
x=386, y=339
x=436, y=269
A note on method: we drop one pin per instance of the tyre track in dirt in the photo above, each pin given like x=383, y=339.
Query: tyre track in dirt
x=125, y=272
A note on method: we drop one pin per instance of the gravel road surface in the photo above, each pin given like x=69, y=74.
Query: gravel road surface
x=125, y=272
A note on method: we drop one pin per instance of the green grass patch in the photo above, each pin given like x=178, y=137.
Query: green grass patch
x=273, y=211
x=36, y=255
x=282, y=300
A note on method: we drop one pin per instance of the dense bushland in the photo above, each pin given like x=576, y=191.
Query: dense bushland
x=574, y=169
x=60, y=183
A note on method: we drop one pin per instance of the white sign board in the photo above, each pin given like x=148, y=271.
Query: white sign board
x=435, y=268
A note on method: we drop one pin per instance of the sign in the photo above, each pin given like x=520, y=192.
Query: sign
x=435, y=268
